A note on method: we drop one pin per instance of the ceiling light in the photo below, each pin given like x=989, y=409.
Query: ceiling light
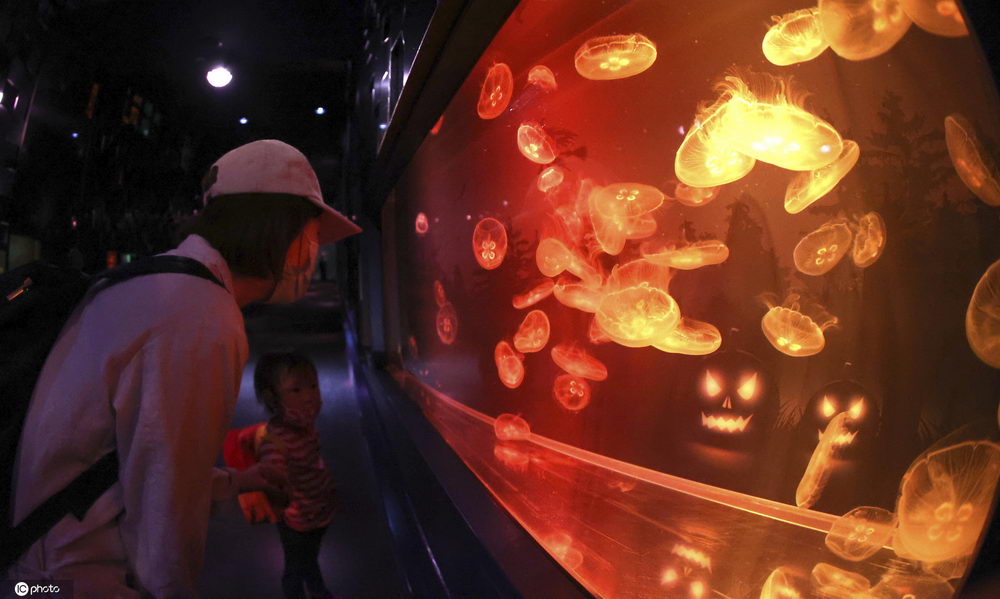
x=219, y=77
x=243, y=120
x=320, y=110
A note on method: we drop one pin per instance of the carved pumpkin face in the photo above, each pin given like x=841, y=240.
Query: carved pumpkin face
x=735, y=397
x=862, y=422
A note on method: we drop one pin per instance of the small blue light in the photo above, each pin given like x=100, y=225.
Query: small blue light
x=74, y=135
x=243, y=120
x=320, y=110
x=383, y=126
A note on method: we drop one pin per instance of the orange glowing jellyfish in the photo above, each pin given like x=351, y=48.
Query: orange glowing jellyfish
x=572, y=392
x=509, y=427
x=543, y=77
x=439, y=295
x=553, y=258
x=809, y=186
x=626, y=200
x=637, y=309
x=615, y=56
x=945, y=498
x=695, y=255
x=535, y=143
x=861, y=29
x=549, y=178
x=793, y=333
x=489, y=243
x=821, y=250
x=578, y=296
x=511, y=457
x=420, y=224
x=695, y=196
x=533, y=333
x=779, y=586
x=595, y=334
x=579, y=363
x=982, y=319
x=534, y=295
x=641, y=227
x=940, y=17
x=818, y=470
x=705, y=157
x=794, y=37
x=691, y=337
x=510, y=365
x=831, y=581
x=904, y=585
x=971, y=162
x=860, y=533
x=447, y=324
x=869, y=240
x=496, y=91
x=611, y=233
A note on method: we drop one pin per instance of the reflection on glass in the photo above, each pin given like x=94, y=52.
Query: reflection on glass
x=439, y=295
x=420, y=224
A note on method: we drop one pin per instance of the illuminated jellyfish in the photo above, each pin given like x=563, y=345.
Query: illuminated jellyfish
x=640, y=227
x=831, y=579
x=971, y=162
x=626, y=200
x=695, y=255
x=509, y=427
x=511, y=457
x=779, y=585
x=861, y=29
x=535, y=143
x=553, y=258
x=572, y=392
x=543, y=77
x=903, y=585
x=794, y=37
x=637, y=309
x=610, y=232
x=691, y=337
x=695, y=196
x=447, y=324
x=579, y=363
x=765, y=120
x=940, y=17
x=439, y=295
x=860, y=533
x=982, y=319
x=817, y=472
x=549, y=178
x=809, y=186
x=793, y=333
x=578, y=296
x=489, y=243
x=869, y=240
x=510, y=367
x=496, y=91
x=945, y=498
x=534, y=295
x=821, y=250
x=533, y=333
x=948, y=569
x=615, y=56
x=595, y=334
x=560, y=545
x=420, y=224
x=705, y=158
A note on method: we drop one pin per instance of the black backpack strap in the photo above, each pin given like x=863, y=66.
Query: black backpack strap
x=165, y=263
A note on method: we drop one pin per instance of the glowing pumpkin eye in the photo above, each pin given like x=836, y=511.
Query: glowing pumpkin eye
x=749, y=388
x=712, y=387
x=857, y=408
x=827, y=407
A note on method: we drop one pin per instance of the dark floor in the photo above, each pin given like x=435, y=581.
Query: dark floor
x=246, y=561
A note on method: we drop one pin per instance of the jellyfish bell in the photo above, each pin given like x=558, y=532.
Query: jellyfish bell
x=807, y=187
x=706, y=252
x=543, y=77
x=860, y=533
x=595, y=334
x=903, y=585
x=533, y=333
x=869, y=240
x=940, y=17
x=510, y=365
x=549, y=178
x=615, y=56
x=833, y=581
x=862, y=29
x=579, y=296
x=793, y=333
x=509, y=427
x=495, y=94
x=579, y=363
x=794, y=37
x=511, y=457
x=690, y=337
x=817, y=472
x=439, y=295
x=779, y=585
x=560, y=545
x=695, y=196
x=489, y=243
x=821, y=250
x=421, y=224
x=705, y=158
x=572, y=392
x=973, y=165
x=626, y=200
x=535, y=144
x=637, y=309
x=640, y=227
x=533, y=295
x=552, y=257
x=446, y=324
x=610, y=232
x=982, y=318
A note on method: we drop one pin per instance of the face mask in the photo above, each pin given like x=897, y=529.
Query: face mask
x=295, y=281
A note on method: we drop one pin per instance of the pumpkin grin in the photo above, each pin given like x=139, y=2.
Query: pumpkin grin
x=725, y=423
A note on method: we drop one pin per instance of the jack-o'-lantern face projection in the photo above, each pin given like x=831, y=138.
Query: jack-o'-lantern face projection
x=861, y=425
x=735, y=397
x=496, y=91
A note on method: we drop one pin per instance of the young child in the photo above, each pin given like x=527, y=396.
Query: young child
x=286, y=385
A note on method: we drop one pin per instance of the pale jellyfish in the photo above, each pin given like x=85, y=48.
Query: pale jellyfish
x=533, y=333
x=572, y=392
x=637, y=309
x=831, y=580
x=549, y=178
x=578, y=296
x=779, y=585
x=579, y=363
x=489, y=243
x=553, y=258
x=793, y=333
x=640, y=227
x=948, y=569
x=971, y=162
x=615, y=56
x=689, y=257
x=869, y=240
x=560, y=545
x=626, y=200
x=982, y=319
x=945, y=498
x=610, y=232
x=818, y=470
x=509, y=427
x=421, y=224
x=940, y=17
x=511, y=457
x=494, y=96
x=535, y=144
x=903, y=585
x=794, y=37
x=705, y=158
x=446, y=323
x=861, y=29
x=510, y=365
x=695, y=196
x=809, y=186
x=860, y=533
x=691, y=337
x=595, y=334
x=439, y=295
x=533, y=295
x=821, y=250
x=543, y=77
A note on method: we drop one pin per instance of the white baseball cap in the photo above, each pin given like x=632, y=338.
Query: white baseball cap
x=272, y=166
